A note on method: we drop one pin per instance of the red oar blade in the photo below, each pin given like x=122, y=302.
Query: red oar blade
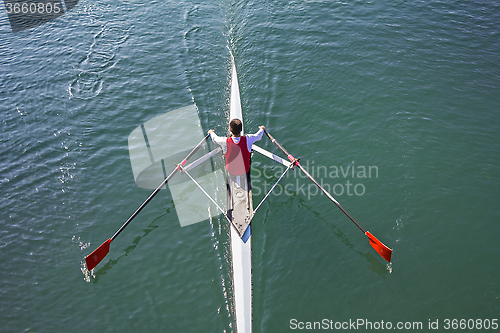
x=380, y=247
x=95, y=257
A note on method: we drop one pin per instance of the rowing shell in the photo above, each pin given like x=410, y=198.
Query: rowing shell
x=241, y=251
x=239, y=214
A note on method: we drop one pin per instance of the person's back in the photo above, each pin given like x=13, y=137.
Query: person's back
x=237, y=149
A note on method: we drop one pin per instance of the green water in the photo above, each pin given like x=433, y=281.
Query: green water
x=409, y=89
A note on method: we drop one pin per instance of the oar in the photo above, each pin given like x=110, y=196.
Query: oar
x=381, y=248
x=96, y=257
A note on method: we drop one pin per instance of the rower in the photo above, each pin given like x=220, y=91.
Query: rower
x=237, y=150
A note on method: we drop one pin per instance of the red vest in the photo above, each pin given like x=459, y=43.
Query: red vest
x=237, y=157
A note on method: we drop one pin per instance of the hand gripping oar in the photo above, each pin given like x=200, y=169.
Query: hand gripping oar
x=382, y=249
x=96, y=257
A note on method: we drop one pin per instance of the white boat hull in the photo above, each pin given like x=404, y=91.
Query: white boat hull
x=241, y=253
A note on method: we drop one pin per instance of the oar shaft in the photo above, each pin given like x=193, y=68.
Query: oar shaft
x=96, y=257
x=380, y=247
x=293, y=160
x=330, y=197
x=290, y=157
x=151, y=196
x=155, y=192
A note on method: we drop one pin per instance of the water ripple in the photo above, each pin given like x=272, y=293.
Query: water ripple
x=100, y=57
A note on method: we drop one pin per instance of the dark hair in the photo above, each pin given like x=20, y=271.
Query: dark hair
x=235, y=126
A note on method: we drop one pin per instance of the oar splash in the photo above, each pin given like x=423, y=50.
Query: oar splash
x=380, y=247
